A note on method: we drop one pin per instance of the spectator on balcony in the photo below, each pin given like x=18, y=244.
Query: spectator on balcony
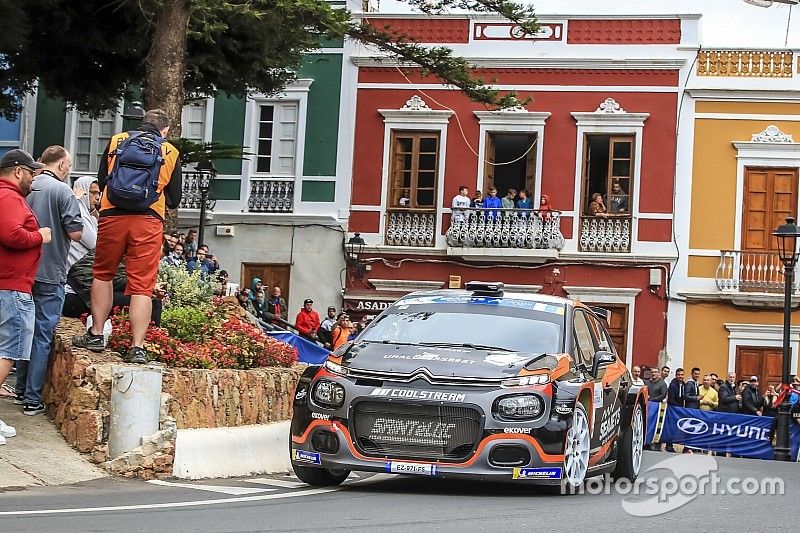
x=404, y=198
x=477, y=200
x=597, y=208
x=510, y=199
x=524, y=201
x=545, y=208
x=307, y=321
x=619, y=198
x=492, y=201
x=460, y=202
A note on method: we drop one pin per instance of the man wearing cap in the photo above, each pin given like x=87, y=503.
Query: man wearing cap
x=55, y=206
x=21, y=241
x=752, y=401
x=136, y=237
x=326, y=328
x=307, y=321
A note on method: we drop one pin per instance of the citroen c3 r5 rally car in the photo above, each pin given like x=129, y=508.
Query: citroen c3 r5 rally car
x=475, y=383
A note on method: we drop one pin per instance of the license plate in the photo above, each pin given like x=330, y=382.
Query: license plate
x=411, y=468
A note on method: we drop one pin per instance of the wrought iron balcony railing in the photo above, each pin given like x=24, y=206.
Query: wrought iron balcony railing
x=751, y=272
x=745, y=63
x=505, y=228
x=271, y=196
x=407, y=227
x=190, y=197
x=601, y=234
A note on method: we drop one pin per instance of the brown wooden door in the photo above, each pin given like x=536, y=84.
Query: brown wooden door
x=770, y=195
x=618, y=327
x=764, y=362
x=271, y=275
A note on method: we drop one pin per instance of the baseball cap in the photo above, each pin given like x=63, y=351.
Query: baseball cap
x=308, y=301
x=17, y=157
x=753, y=378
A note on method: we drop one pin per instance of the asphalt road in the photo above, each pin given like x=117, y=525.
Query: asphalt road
x=392, y=503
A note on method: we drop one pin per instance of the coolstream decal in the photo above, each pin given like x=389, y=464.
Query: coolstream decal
x=307, y=457
x=537, y=473
x=414, y=394
x=411, y=468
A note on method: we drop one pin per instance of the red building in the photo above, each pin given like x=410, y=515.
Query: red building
x=601, y=122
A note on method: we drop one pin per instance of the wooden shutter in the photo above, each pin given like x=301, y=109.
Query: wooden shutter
x=770, y=195
x=488, y=169
x=530, y=171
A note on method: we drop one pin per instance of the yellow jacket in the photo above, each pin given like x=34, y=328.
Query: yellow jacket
x=709, y=399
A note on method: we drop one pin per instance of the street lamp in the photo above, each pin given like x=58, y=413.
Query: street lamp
x=133, y=111
x=205, y=174
x=787, y=235
x=355, y=246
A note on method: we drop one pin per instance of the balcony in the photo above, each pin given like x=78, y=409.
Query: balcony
x=760, y=272
x=610, y=234
x=525, y=233
x=745, y=63
x=405, y=227
x=271, y=195
x=190, y=197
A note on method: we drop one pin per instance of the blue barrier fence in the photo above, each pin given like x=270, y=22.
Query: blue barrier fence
x=742, y=435
x=307, y=351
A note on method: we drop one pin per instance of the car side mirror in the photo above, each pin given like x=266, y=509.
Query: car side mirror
x=601, y=360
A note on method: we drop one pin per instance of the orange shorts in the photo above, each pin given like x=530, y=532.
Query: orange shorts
x=136, y=238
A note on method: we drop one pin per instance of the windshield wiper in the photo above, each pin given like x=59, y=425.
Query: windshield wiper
x=466, y=345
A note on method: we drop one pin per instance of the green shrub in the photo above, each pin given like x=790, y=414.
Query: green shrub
x=186, y=290
x=189, y=323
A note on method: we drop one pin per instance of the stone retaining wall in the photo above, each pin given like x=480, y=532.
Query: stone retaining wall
x=78, y=394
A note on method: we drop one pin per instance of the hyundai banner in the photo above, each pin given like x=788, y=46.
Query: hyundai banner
x=742, y=435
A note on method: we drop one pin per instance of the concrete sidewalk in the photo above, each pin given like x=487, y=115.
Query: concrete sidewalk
x=38, y=455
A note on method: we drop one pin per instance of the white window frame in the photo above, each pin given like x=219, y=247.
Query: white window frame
x=512, y=120
x=71, y=136
x=208, y=118
x=611, y=295
x=608, y=119
x=414, y=116
x=760, y=335
x=296, y=93
x=777, y=150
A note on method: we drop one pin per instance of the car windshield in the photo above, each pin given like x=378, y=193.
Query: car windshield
x=495, y=326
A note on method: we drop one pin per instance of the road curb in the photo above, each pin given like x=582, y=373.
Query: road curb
x=229, y=452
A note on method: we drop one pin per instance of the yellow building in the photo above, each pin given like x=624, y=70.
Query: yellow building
x=736, y=182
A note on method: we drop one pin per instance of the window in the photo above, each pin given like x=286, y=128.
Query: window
x=584, y=344
x=193, y=121
x=91, y=139
x=276, y=139
x=414, y=166
x=510, y=162
x=608, y=171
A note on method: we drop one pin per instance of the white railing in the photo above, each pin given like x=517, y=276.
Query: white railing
x=505, y=228
x=270, y=196
x=750, y=272
x=190, y=195
x=410, y=228
x=601, y=234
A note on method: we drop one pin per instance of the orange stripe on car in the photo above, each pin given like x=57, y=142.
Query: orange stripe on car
x=599, y=454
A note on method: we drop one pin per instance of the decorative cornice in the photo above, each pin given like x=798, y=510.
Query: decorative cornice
x=416, y=110
x=415, y=103
x=772, y=134
x=505, y=116
x=577, y=292
x=746, y=95
x=580, y=63
x=610, y=112
x=609, y=105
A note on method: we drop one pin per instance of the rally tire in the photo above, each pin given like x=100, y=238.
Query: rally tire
x=631, y=446
x=577, y=446
x=320, y=477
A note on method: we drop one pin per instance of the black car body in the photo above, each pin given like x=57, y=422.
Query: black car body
x=475, y=384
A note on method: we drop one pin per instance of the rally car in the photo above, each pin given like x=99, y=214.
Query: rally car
x=477, y=383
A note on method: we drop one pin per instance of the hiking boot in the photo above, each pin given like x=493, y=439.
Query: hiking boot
x=137, y=356
x=33, y=409
x=90, y=341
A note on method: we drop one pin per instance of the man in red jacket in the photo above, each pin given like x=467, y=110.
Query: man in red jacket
x=307, y=321
x=21, y=242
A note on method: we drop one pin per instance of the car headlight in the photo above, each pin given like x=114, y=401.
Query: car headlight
x=328, y=394
x=519, y=407
x=335, y=368
x=535, y=379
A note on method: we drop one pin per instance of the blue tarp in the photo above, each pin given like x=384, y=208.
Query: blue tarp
x=307, y=351
x=742, y=435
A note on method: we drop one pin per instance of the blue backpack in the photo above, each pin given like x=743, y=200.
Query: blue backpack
x=132, y=184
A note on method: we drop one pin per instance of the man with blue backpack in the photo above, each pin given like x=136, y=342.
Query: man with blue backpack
x=140, y=175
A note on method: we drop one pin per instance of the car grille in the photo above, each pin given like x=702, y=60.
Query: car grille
x=416, y=431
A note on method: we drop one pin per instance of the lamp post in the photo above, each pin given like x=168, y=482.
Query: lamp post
x=787, y=235
x=205, y=174
x=355, y=246
x=133, y=111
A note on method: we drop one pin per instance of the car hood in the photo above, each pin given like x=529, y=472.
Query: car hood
x=441, y=360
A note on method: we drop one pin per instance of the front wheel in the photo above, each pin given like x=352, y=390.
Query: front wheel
x=576, y=449
x=629, y=455
x=320, y=477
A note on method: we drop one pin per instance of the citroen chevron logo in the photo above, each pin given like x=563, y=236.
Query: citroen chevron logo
x=692, y=426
